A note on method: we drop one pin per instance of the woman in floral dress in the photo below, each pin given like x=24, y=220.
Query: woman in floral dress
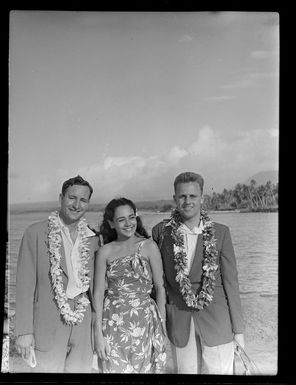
x=130, y=325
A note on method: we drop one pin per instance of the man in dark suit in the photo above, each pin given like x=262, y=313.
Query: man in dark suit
x=54, y=286
x=204, y=313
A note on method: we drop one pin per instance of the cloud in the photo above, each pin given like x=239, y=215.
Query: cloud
x=274, y=132
x=218, y=98
x=224, y=158
x=185, y=38
x=244, y=82
x=111, y=162
x=176, y=154
x=250, y=79
x=205, y=145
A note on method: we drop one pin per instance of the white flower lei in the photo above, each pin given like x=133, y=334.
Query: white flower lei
x=72, y=317
x=209, y=265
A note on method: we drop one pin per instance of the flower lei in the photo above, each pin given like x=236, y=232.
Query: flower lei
x=72, y=317
x=209, y=265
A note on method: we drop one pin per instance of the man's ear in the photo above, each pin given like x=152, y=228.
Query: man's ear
x=202, y=199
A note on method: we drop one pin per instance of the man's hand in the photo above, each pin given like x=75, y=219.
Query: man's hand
x=23, y=344
x=240, y=339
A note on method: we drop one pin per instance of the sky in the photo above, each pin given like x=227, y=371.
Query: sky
x=129, y=100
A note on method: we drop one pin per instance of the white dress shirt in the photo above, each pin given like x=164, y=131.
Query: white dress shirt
x=190, y=241
x=74, y=286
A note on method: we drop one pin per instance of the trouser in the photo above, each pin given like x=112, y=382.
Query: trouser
x=71, y=350
x=198, y=358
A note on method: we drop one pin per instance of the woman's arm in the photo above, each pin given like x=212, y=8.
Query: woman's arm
x=101, y=346
x=154, y=256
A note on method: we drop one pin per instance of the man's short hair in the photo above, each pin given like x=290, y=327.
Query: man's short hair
x=77, y=180
x=186, y=177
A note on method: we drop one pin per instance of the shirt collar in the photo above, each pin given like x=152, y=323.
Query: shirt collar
x=89, y=232
x=195, y=230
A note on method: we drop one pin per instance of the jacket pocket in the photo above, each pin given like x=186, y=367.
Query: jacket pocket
x=44, y=328
x=178, y=325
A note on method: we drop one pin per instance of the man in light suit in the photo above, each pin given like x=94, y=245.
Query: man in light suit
x=54, y=286
x=204, y=313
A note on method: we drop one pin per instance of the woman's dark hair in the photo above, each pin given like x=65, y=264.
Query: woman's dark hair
x=110, y=234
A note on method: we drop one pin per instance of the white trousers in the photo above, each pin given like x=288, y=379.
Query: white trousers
x=198, y=358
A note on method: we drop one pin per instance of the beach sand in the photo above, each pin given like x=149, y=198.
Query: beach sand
x=261, y=320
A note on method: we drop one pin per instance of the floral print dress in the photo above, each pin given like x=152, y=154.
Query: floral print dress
x=132, y=324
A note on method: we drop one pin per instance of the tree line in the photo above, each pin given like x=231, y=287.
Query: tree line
x=243, y=197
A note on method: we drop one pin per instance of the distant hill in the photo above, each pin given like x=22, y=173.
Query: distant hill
x=19, y=208
x=33, y=207
x=262, y=177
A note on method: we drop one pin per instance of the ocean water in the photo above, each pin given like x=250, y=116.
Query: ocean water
x=254, y=237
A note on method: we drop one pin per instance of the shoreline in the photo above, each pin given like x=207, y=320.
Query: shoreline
x=260, y=316
x=151, y=211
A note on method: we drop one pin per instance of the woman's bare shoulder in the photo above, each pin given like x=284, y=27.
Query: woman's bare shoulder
x=106, y=250
x=150, y=246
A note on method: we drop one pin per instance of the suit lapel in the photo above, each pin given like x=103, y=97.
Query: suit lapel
x=62, y=251
x=197, y=257
x=63, y=259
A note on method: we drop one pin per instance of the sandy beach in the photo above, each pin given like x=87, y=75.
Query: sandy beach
x=260, y=315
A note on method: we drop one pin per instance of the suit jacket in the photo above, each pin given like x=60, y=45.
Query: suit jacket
x=36, y=310
x=223, y=316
